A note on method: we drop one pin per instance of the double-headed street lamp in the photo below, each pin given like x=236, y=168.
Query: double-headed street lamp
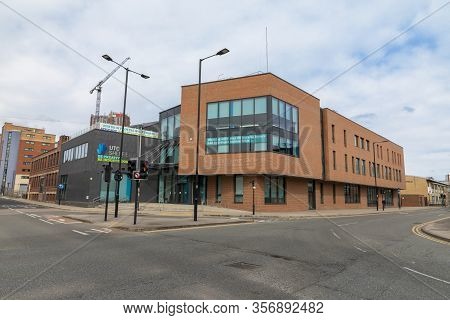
x=196, y=186
x=375, y=167
x=118, y=174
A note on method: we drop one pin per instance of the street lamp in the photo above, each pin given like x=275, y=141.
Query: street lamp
x=118, y=173
x=253, y=191
x=375, y=167
x=196, y=187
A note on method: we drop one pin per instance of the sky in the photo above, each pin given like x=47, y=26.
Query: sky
x=385, y=66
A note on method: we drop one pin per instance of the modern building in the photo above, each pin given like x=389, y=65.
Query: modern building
x=115, y=118
x=264, y=135
x=82, y=159
x=19, y=145
x=421, y=192
x=44, y=174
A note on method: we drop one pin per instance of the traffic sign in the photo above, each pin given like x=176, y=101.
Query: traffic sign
x=137, y=175
x=60, y=186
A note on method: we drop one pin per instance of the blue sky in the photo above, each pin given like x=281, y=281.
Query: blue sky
x=401, y=92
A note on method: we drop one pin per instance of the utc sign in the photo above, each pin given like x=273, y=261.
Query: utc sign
x=110, y=153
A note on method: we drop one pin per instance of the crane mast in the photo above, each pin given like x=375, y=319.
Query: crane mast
x=98, y=88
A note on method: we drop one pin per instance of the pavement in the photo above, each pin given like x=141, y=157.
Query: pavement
x=374, y=256
x=439, y=229
x=156, y=216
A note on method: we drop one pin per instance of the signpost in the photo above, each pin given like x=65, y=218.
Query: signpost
x=107, y=179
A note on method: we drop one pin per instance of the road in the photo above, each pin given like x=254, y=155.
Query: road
x=44, y=256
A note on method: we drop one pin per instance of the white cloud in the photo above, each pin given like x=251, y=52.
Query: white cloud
x=45, y=84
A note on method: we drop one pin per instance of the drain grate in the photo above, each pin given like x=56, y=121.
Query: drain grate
x=243, y=265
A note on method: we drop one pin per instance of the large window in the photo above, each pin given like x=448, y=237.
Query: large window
x=371, y=196
x=274, y=190
x=218, y=189
x=351, y=192
x=251, y=125
x=388, y=197
x=170, y=126
x=76, y=153
x=238, y=189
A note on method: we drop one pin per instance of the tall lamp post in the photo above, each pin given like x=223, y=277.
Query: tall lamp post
x=118, y=173
x=375, y=167
x=196, y=184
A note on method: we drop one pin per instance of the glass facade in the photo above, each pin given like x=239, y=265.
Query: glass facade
x=252, y=125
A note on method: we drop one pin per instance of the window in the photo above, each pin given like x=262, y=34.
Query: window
x=351, y=193
x=378, y=171
x=274, y=190
x=334, y=160
x=387, y=154
x=353, y=164
x=238, y=189
x=332, y=133
x=356, y=140
x=357, y=166
x=363, y=167
x=218, y=189
x=388, y=198
x=381, y=152
x=371, y=196
x=367, y=145
x=362, y=143
x=248, y=125
x=321, y=193
x=346, y=164
x=345, y=138
x=334, y=193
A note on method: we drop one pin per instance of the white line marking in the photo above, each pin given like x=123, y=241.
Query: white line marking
x=19, y=211
x=346, y=224
x=334, y=234
x=35, y=215
x=360, y=249
x=100, y=231
x=31, y=216
x=55, y=220
x=46, y=221
x=79, y=232
x=426, y=275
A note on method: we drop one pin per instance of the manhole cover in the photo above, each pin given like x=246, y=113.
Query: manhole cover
x=243, y=265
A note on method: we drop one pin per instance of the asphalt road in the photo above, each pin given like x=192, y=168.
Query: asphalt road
x=44, y=256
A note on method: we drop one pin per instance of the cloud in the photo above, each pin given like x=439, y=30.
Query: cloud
x=310, y=42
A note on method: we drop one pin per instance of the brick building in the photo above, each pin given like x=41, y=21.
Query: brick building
x=114, y=118
x=44, y=174
x=263, y=131
x=19, y=145
x=421, y=192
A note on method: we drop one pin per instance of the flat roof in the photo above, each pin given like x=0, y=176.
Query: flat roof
x=251, y=76
x=359, y=125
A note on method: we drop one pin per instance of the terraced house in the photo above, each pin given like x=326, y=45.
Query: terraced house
x=264, y=135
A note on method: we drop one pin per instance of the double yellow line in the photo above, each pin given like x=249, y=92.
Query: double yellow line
x=417, y=230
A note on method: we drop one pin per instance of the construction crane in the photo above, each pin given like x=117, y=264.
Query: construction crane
x=98, y=88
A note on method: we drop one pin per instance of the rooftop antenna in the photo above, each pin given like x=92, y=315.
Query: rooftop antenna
x=267, y=53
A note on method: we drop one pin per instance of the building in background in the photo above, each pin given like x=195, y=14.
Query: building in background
x=421, y=192
x=115, y=118
x=44, y=174
x=19, y=145
x=264, y=135
x=83, y=157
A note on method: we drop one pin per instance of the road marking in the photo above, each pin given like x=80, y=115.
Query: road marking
x=334, y=234
x=346, y=224
x=46, y=221
x=19, y=211
x=426, y=275
x=102, y=231
x=30, y=215
x=417, y=230
x=79, y=232
x=35, y=215
x=362, y=250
